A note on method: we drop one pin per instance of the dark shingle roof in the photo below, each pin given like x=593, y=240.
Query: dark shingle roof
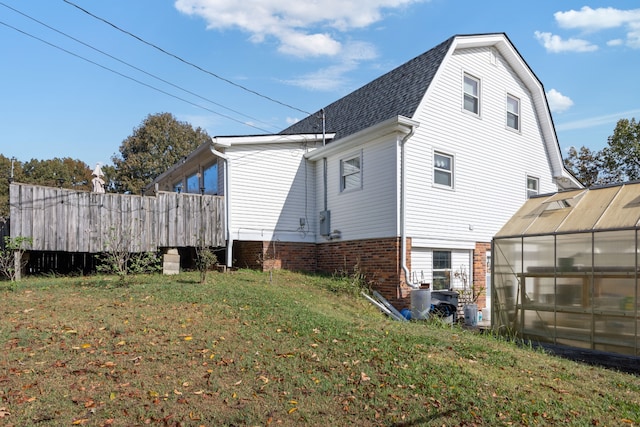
x=396, y=93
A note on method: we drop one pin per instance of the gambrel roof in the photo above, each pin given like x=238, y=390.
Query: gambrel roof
x=396, y=93
x=400, y=92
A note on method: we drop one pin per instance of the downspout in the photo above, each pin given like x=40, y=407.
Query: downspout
x=324, y=160
x=227, y=202
x=403, y=210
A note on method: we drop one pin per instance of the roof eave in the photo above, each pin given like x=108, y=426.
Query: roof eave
x=399, y=124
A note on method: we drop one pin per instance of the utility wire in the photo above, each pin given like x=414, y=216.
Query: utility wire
x=131, y=78
x=132, y=66
x=187, y=62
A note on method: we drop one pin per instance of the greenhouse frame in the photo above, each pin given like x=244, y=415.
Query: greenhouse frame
x=566, y=267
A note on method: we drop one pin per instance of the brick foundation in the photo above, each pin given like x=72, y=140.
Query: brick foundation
x=267, y=256
x=480, y=271
x=378, y=260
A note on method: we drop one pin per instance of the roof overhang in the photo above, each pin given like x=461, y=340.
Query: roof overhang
x=229, y=141
x=399, y=124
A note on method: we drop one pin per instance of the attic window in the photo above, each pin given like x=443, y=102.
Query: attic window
x=471, y=101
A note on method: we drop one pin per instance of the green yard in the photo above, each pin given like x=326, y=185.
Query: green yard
x=255, y=349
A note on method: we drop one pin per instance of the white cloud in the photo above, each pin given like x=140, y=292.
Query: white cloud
x=332, y=77
x=615, y=42
x=558, y=102
x=596, y=19
x=596, y=121
x=303, y=28
x=591, y=20
x=556, y=44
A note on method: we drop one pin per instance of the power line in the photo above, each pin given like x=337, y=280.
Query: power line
x=187, y=62
x=131, y=78
x=132, y=66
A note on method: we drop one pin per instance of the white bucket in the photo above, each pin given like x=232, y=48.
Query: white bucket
x=486, y=314
x=420, y=304
x=471, y=314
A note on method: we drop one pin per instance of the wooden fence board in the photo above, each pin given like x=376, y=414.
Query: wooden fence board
x=78, y=221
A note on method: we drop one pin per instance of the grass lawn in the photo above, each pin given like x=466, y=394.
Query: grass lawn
x=283, y=349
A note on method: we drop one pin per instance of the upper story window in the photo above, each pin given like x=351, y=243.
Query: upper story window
x=351, y=173
x=443, y=169
x=513, y=112
x=532, y=186
x=471, y=101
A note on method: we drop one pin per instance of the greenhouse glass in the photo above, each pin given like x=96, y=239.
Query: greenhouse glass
x=578, y=287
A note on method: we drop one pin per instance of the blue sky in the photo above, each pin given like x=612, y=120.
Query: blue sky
x=61, y=96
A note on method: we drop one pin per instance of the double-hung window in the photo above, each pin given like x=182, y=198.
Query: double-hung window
x=513, y=112
x=443, y=169
x=471, y=101
x=532, y=186
x=351, y=173
x=441, y=270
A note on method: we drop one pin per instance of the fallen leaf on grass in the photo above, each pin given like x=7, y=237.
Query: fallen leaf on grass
x=4, y=413
x=80, y=421
x=292, y=410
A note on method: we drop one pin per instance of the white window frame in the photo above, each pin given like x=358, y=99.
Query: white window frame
x=514, y=114
x=443, y=273
x=350, y=171
x=466, y=94
x=531, y=191
x=439, y=168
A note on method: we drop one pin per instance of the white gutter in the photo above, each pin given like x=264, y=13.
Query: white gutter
x=227, y=201
x=403, y=210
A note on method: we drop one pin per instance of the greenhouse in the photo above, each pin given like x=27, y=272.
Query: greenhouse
x=565, y=270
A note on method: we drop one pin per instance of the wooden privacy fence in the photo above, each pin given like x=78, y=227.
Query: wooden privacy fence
x=59, y=219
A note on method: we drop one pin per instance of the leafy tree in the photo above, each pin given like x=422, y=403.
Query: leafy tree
x=159, y=143
x=618, y=162
x=5, y=175
x=622, y=155
x=65, y=173
x=586, y=165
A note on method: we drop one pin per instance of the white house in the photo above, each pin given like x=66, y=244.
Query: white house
x=408, y=178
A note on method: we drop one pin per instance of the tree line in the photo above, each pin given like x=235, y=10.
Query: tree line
x=617, y=162
x=158, y=143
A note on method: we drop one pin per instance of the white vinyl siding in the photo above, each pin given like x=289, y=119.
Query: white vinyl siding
x=272, y=188
x=372, y=211
x=490, y=159
x=422, y=265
